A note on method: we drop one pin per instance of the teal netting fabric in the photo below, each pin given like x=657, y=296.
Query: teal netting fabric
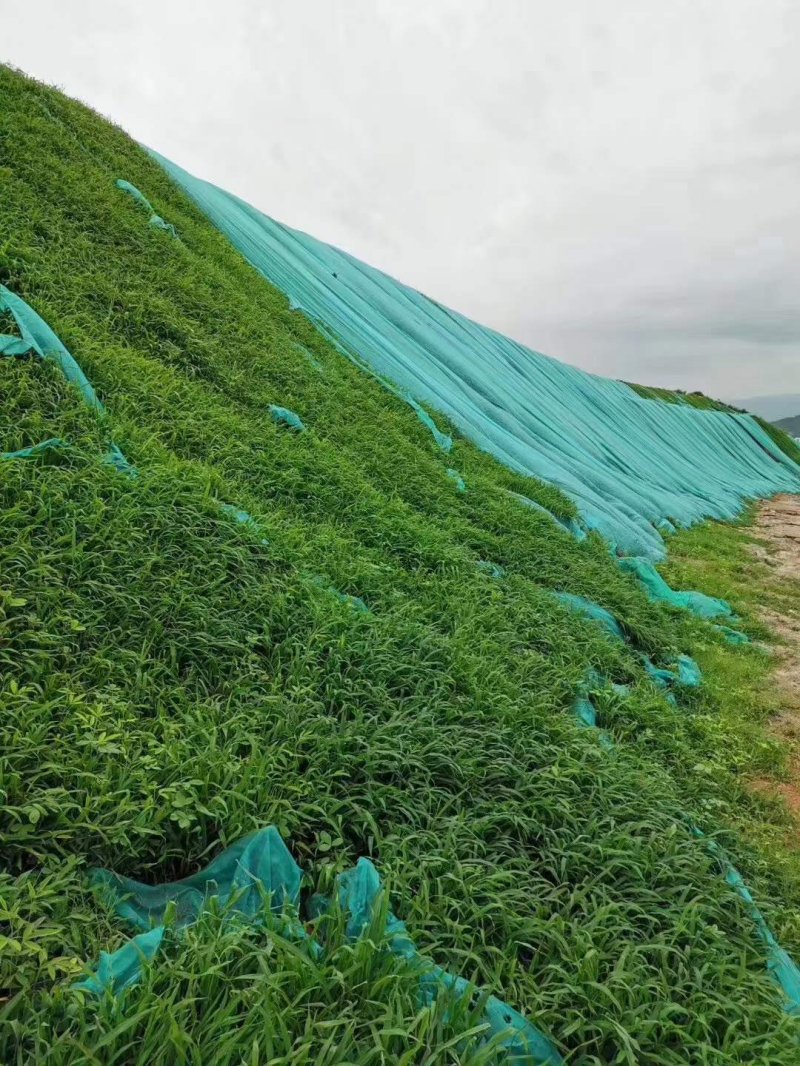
x=630, y=464
x=781, y=966
x=571, y=525
x=52, y=444
x=443, y=440
x=243, y=518
x=39, y=339
x=657, y=589
x=284, y=417
x=253, y=878
x=118, y=970
x=355, y=602
x=733, y=636
x=460, y=483
x=13, y=346
x=359, y=891
x=156, y=221
x=257, y=880
x=592, y=611
x=685, y=674
x=492, y=569
x=313, y=361
x=583, y=707
x=254, y=869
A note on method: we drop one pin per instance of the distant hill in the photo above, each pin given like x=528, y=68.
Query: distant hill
x=791, y=425
x=771, y=407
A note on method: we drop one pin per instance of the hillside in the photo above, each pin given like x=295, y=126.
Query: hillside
x=790, y=425
x=773, y=408
x=344, y=630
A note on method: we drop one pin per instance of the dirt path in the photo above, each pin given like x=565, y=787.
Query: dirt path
x=778, y=524
x=777, y=530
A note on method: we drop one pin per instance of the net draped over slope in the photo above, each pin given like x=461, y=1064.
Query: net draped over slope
x=627, y=462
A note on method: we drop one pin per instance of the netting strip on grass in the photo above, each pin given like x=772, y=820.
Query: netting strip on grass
x=257, y=879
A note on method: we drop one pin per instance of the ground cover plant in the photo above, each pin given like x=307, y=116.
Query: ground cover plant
x=173, y=679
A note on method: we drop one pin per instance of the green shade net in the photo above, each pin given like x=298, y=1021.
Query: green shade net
x=252, y=877
x=284, y=417
x=632, y=465
x=492, y=569
x=256, y=879
x=313, y=361
x=443, y=440
x=593, y=611
x=686, y=672
x=243, y=518
x=355, y=602
x=732, y=636
x=12, y=346
x=454, y=476
x=39, y=338
x=781, y=966
x=52, y=444
x=571, y=525
x=156, y=221
x=583, y=708
x=255, y=868
x=359, y=891
x=657, y=589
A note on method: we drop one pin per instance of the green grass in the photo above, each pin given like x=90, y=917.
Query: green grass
x=693, y=399
x=170, y=683
x=717, y=556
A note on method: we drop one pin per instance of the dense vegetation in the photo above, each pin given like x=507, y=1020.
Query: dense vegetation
x=170, y=682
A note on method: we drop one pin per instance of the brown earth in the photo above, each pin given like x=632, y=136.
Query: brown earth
x=777, y=530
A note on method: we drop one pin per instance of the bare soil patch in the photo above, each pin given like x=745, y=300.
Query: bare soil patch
x=778, y=531
x=778, y=525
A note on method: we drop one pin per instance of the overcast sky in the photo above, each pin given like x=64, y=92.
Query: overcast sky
x=614, y=184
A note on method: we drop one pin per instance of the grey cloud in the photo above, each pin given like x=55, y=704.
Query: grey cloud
x=617, y=188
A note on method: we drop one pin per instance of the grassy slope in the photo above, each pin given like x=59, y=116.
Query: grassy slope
x=717, y=556
x=169, y=683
